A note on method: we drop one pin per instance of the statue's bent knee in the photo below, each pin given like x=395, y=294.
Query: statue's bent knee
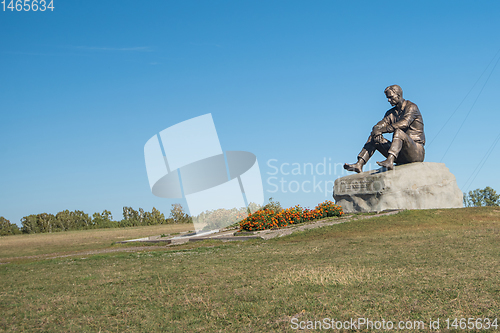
x=399, y=134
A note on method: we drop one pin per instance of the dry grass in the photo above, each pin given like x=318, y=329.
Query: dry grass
x=331, y=275
x=412, y=266
x=79, y=240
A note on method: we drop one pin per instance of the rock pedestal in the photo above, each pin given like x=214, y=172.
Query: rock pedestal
x=422, y=185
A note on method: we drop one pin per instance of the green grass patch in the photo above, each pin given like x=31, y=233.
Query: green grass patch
x=415, y=265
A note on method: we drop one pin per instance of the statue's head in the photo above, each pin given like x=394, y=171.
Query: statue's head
x=394, y=94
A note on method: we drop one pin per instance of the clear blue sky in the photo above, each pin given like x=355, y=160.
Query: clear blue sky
x=84, y=87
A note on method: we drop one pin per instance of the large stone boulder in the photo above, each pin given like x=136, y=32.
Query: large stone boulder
x=422, y=185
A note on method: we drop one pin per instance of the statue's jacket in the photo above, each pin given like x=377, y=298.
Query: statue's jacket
x=409, y=120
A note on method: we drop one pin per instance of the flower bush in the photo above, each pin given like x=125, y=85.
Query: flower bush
x=273, y=219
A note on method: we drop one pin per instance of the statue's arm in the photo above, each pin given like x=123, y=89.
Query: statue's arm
x=383, y=125
x=410, y=115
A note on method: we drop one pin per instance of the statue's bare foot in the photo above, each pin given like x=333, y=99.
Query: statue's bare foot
x=356, y=167
x=389, y=165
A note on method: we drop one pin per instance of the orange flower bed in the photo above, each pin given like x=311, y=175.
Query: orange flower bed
x=269, y=219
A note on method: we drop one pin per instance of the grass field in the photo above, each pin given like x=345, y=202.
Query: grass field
x=413, y=267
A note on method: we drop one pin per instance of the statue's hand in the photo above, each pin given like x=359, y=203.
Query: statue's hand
x=378, y=138
x=376, y=131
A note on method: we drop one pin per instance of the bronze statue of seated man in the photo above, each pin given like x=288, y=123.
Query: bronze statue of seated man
x=408, y=140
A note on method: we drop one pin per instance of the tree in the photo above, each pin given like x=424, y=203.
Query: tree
x=275, y=206
x=131, y=217
x=7, y=228
x=29, y=224
x=38, y=223
x=154, y=218
x=103, y=220
x=81, y=219
x=480, y=198
x=490, y=197
x=62, y=221
x=177, y=214
x=75, y=220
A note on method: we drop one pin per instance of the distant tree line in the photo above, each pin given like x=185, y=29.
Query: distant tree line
x=480, y=198
x=78, y=220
